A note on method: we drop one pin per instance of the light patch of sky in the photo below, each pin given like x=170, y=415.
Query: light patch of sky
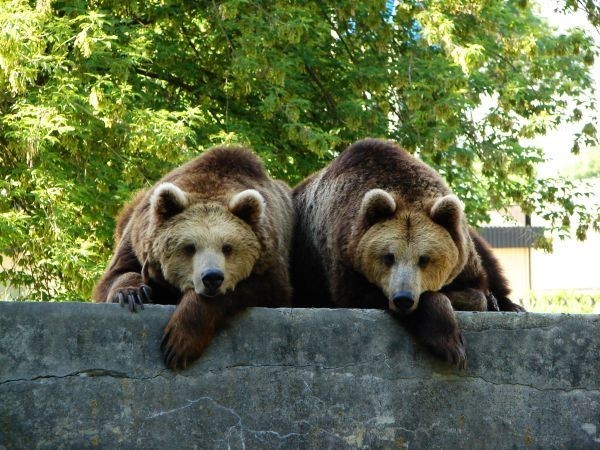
x=557, y=143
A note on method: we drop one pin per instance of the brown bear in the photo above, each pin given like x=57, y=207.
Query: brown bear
x=477, y=291
x=212, y=236
x=378, y=228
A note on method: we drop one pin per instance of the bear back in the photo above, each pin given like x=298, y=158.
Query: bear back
x=375, y=163
x=218, y=172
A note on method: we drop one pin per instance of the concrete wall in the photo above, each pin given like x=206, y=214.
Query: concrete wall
x=90, y=376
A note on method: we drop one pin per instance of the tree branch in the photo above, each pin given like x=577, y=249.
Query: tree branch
x=220, y=23
x=329, y=100
x=335, y=28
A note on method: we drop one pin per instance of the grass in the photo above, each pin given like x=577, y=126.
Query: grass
x=571, y=302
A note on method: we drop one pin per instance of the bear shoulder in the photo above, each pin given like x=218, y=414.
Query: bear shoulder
x=126, y=214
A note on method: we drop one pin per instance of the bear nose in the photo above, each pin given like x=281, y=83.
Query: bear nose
x=403, y=300
x=212, y=279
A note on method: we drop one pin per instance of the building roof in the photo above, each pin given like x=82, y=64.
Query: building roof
x=511, y=237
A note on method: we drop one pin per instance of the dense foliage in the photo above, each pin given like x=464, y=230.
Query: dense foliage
x=99, y=98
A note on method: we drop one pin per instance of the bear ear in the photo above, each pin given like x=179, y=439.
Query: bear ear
x=168, y=200
x=248, y=205
x=447, y=211
x=376, y=205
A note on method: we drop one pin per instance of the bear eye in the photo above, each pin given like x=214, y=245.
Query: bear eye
x=227, y=249
x=389, y=259
x=423, y=260
x=189, y=249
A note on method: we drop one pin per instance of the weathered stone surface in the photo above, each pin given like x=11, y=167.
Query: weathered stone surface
x=90, y=376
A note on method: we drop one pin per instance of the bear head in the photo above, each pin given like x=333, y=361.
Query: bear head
x=407, y=250
x=204, y=245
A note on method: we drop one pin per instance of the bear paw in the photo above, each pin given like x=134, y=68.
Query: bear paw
x=453, y=350
x=513, y=307
x=492, y=303
x=505, y=304
x=434, y=324
x=135, y=297
x=180, y=348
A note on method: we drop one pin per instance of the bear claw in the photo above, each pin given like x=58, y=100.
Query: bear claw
x=168, y=350
x=505, y=304
x=455, y=356
x=179, y=348
x=173, y=362
x=492, y=303
x=459, y=357
x=516, y=308
x=453, y=352
x=172, y=358
x=146, y=292
x=133, y=297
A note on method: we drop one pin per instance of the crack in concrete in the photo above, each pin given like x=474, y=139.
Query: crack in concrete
x=452, y=378
x=293, y=366
x=517, y=327
x=95, y=372
x=530, y=386
x=378, y=358
x=447, y=377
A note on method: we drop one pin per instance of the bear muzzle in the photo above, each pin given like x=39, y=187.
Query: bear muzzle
x=212, y=279
x=403, y=302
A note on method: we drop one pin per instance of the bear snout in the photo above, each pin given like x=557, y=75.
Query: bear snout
x=403, y=301
x=212, y=279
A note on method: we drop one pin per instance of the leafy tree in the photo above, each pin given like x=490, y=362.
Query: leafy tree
x=99, y=98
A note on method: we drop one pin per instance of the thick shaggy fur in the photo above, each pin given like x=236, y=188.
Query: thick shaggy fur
x=218, y=215
x=378, y=228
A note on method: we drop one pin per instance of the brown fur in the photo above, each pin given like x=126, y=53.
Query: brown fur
x=375, y=210
x=476, y=291
x=434, y=325
x=220, y=210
